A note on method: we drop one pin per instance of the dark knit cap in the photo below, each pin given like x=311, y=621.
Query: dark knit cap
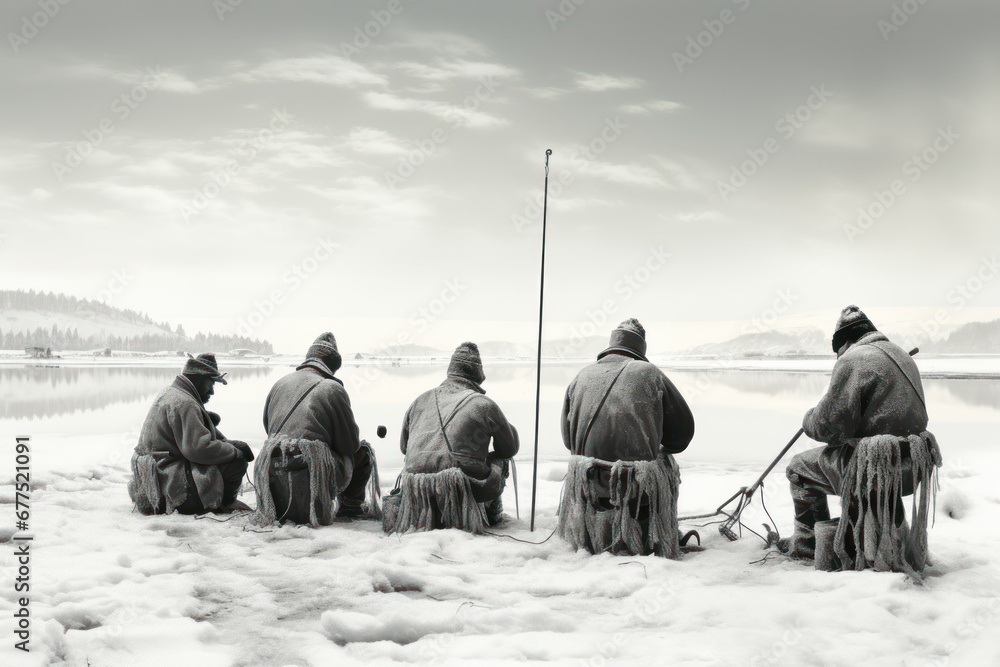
x=629, y=338
x=466, y=363
x=325, y=348
x=204, y=364
x=851, y=325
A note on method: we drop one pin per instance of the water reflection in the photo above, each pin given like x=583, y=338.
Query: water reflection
x=31, y=392
x=775, y=383
x=975, y=392
x=46, y=391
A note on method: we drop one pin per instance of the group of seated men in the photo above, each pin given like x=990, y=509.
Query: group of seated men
x=619, y=408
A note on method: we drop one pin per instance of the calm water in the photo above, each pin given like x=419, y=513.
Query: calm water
x=740, y=415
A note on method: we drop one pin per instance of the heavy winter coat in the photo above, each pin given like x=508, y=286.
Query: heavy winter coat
x=178, y=433
x=324, y=414
x=869, y=395
x=642, y=411
x=471, y=420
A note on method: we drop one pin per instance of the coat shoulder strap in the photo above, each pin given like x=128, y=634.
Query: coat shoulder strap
x=913, y=385
x=297, y=402
x=607, y=392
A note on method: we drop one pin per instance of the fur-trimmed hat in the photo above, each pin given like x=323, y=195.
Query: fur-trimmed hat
x=851, y=325
x=204, y=364
x=629, y=338
x=466, y=363
x=325, y=347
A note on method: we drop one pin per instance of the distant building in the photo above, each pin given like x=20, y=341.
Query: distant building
x=358, y=356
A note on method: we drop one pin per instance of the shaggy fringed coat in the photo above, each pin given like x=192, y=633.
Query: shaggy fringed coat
x=324, y=415
x=642, y=411
x=869, y=394
x=178, y=430
x=472, y=420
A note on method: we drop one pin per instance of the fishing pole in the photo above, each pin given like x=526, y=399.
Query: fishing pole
x=538, y=364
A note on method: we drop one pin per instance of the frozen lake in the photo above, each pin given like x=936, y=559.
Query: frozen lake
x=110, y=586
x=742, y=416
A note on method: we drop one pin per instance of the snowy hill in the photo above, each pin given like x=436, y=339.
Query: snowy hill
x=793, y=342
x=86, y=323
x=574, y=348
x=971, y=338
x=64, y=322
x=506, y=350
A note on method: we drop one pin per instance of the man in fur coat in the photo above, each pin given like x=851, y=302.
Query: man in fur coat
x=193, y=467
x=875, y=389
x=452, y=426
x=312, y=404
x=623, y=408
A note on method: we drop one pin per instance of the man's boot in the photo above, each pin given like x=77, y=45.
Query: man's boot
x=810, y=507
x=494, y=511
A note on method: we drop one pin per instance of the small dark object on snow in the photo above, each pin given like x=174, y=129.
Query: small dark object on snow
x=381, y=431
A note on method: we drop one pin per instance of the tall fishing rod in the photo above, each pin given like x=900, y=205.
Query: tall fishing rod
x=538, y=364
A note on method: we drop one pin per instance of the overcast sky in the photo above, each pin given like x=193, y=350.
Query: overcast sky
x=373, y=176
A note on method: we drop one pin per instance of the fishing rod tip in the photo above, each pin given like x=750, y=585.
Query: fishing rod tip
x=548, y=151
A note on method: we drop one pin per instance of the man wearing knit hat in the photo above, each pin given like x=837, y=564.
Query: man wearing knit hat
x=452, y=426
x=312, y=404
x=183, y=461
x=623, y=408
x=875, y=389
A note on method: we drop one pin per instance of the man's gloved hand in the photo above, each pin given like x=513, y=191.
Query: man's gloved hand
x=244, y=449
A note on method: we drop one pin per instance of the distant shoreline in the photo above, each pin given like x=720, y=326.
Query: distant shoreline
x=938, y=367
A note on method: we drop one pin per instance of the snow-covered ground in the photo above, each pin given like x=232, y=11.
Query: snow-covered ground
x=112, y=588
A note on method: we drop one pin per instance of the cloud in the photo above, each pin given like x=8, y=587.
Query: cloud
x=367, y=198
x=446, y=43
x=566, y=204
x=458, y=69
x=602, y=82
x=455, y=115
x=330, y=70
x=680, y=177
x=649, y=107
x=690, y=218
x=166, y=79
x=630, y=174
x=373, y=141
x=546, y=92
x=146, y=197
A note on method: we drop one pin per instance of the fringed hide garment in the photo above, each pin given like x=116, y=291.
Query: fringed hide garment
x=872, y=485
x=436, y=500
x=144, y=487
x=584, y=524
x=322, y=479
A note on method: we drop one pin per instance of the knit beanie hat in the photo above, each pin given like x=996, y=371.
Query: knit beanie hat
x=629, y=338
x=466, y=363
x=325, y=348
x=204, y=364
x=851, y=325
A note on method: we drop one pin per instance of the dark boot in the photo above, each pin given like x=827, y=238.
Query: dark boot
x=494, y=511
x=352, y=500
x=810, y=506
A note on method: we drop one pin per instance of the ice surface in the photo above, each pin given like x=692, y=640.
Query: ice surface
x=114, y=587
